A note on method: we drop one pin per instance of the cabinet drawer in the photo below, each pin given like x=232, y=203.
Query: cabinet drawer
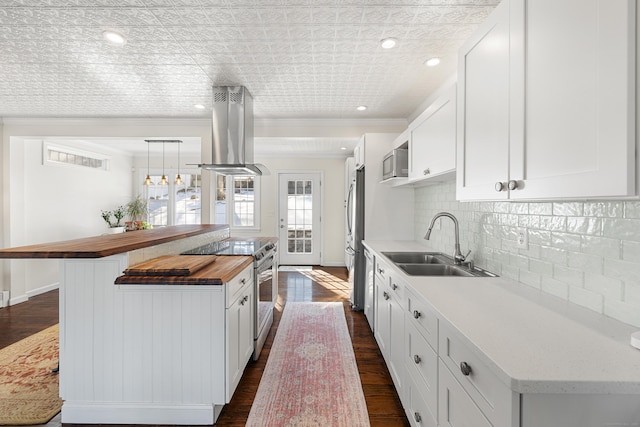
x=235, y=285
x=456, y=407
x=418, y=407
x=491, y=395
x=382, y=273
x=422, y=366
x=419, y=313
x=397, y=287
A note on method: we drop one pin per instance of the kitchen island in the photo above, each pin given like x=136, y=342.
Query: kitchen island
x=141, y=352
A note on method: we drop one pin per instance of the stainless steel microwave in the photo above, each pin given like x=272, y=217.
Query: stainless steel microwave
x=396, y=164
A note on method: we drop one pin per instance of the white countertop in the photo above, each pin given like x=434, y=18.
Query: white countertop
x=534, y=342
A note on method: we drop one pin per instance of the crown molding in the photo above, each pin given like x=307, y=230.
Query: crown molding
x=71, y=121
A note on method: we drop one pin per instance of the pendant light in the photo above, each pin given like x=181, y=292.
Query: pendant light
x=163, y=181
x=147, y=180
x=178, y=178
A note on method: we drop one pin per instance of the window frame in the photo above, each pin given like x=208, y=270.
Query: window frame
x=230, y=202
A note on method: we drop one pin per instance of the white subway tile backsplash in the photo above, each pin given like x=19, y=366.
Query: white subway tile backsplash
x=568, y=209
x=586, y=298
x=603, y=209
x=584, y=252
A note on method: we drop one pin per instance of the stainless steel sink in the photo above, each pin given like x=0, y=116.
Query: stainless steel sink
x=435, y=270
x=418, y=257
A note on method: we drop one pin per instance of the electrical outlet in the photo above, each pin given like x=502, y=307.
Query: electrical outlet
x=522, y=238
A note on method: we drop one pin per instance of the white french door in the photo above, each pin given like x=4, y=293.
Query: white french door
x=299, y=218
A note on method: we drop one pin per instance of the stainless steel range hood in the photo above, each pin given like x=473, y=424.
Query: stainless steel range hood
x=231, y=151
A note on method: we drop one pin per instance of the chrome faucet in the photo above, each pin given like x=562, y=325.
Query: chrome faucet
x=458, y=258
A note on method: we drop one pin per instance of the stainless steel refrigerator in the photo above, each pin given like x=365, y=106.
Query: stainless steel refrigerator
x=359, y=265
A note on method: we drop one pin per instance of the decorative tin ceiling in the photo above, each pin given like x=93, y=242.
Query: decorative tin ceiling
x=299, y=58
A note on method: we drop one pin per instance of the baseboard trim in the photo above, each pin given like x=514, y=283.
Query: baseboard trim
x=138, y=413
x=334, y=264
x=43, y=289
x=18, y=299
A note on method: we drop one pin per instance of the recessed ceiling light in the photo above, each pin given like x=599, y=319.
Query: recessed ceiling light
x=199, y=106
x=361, y=107
x=343, y=148
x=388, y=43
x=432, y=62
x=113, y=37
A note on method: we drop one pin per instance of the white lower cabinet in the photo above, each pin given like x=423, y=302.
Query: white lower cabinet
x=239, y=335
x=389, y=328
x=456, y=407
x=421, y=386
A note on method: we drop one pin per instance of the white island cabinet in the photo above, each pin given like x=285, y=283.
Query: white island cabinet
x=547, y=102
x=149, y=349
x=492, y=352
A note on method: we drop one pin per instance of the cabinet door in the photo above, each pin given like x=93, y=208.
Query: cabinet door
x=574, y=115
x=239, y=337
x=383, y=318
x=432, y=147
x=483, y=109
x=456, y=409
x=395, y=361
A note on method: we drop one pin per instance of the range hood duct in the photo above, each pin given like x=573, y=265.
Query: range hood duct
x=232, y=133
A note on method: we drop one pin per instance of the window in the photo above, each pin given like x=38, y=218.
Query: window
x=68, y=156
x=174, y=204
x=238, y=201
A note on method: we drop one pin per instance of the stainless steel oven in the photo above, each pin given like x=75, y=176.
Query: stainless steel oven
x=265, y=278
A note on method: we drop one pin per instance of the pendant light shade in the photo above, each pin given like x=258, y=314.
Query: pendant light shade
x=147, y=180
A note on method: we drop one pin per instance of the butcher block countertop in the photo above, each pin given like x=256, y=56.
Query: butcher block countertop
x=110, y=244
x=218, y=272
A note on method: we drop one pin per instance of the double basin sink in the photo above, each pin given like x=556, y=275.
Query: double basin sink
x=433, y=264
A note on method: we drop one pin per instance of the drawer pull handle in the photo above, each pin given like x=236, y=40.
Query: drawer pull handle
x=465, y=369
x=416, y=314
x=385, y=295
x=244, y=300
x=394, y=286
x=243, y=281
x=417, y=417
x=417, y=359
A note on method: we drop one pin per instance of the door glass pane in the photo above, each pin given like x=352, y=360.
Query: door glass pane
x=300, y=209
x=188, y=200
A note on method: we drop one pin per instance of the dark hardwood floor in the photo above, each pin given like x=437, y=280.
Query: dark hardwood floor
x=319, y=284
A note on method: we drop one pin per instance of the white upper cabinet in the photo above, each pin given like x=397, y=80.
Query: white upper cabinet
x=358, y=154
x=432, y=146
x=483, y=109
x=547, y=102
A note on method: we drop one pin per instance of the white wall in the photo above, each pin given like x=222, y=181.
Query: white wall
x=584, y=252
x=49, y=203
x=333, y=200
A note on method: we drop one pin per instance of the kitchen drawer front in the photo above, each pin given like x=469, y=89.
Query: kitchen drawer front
x=382, y=272
x=491, y=395
x=235, y=285
x=419, y=410
x=422, y=365
x=457, y=409
x=419, y=313
x=398, y=286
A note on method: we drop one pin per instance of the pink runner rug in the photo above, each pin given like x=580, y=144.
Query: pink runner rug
x=311, y=377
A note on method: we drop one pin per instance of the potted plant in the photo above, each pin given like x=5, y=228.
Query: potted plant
x=115, y=223
x=137, y=210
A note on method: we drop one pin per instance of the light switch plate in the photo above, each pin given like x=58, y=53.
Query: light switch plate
x=522, y=238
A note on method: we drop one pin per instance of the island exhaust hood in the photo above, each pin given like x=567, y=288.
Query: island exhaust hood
x=231, y=151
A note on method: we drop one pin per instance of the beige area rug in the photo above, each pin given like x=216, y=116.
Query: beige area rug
x=28, y=388
x=311, y=377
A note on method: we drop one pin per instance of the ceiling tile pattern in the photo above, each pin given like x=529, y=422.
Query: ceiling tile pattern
x=299, y=58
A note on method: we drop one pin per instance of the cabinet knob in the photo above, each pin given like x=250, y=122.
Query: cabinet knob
x=417, y=417
x=427, y=171
x=381, y=271
x=513, y=184
x=465, y=369
x=243, y=281
x=417, y=359
x=416, y=314
x=394, y=286
x=499, y=186
x=385, y=295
